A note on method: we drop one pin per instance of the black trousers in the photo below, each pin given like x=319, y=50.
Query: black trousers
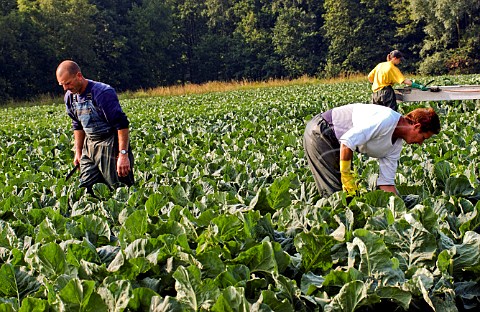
x=385, y=97
x=99, y=163
x=322, y=150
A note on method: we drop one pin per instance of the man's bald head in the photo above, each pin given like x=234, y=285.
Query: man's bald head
x=70, y=77
x=69, y=67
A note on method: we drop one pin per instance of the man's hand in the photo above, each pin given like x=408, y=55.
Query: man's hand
x=123, y=165
x=349, y=184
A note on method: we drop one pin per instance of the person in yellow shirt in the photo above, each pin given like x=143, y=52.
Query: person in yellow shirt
x=384, y=76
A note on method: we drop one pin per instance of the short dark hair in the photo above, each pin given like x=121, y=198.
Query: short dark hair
x=397, y=54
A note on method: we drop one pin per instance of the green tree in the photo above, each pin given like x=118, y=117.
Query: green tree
x=253, y=32
x=296, y=37
x=452, y=34
x=111, y=43
x=359, y=32
x=409, y=34
x=66, y=26
x=7, y=6
x=150, y=32
x=188, y=30
x=218, y=44
x=24, y=61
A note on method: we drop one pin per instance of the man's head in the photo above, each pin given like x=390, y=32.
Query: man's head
x=424, y=124
x=70, y=77
x=395, y=56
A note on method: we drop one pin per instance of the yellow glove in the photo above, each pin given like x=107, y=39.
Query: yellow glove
x=347, y=178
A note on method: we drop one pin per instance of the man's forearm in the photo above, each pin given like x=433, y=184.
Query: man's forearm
x=79, y=137
x=345, y=152
x=123, y=139
x=388, y=188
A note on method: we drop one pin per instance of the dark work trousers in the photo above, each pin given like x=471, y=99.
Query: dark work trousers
x=322, y=150
x=385, y=97
x=99, y=163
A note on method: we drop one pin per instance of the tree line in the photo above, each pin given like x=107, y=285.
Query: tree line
x=135, y=44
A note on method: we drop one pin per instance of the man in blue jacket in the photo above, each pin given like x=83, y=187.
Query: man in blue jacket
x=100, y=127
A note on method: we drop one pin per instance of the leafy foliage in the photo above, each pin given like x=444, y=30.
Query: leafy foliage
x=225, y=215
x=141, y=44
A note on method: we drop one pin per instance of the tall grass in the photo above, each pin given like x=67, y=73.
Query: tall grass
x=184, y=89
x=217, y=86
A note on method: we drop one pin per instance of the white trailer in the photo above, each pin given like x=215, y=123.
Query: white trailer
x=439, y=93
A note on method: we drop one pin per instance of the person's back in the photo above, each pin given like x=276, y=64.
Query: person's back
x=385, y=74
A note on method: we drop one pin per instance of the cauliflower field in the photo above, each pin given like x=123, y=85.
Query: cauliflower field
x=224, y=215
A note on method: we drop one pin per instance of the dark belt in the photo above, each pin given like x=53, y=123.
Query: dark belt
x=327, y=116
x=385, y=88
x=326, y=128
x=100, y=136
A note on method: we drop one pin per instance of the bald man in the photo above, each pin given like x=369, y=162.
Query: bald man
x=100, y=128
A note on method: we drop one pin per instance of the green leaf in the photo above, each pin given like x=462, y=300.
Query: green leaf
x=270, y=299
x=287, y=288
x=167, y=304
x=135, y=227
x=349, y=298
x=233, y=275
x=84, y=251
x=466, y=256
x=102, y=190
x=310, y=283
x=8, y=282
x=400, y=296
x=116, y=294
x=338, y=278
x=179, y=196
x=423, y=280
x=468, y=292
x=97, y=304
x=212, y=264
x=95, y=229
x=194, y=291
x=31, y=304
x=154, y=203
x=315, y=250
x=445, y=262
x=46, y=232
x=279, y=194
x=374, y=257
x=411, y=243
x=458, y=186
x=267, y=257
x=76, y=294
x=442, y=172
x=142, y=298
x=51, y=260
x=261, y=203
x=228, y=227
x=232, y=300
x=16, y=282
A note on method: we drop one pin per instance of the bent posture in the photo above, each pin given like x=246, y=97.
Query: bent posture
x=100, y=129
x=331, y=138
x=384, y=76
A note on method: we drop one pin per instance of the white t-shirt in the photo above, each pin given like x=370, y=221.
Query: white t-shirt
x=368, y=129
